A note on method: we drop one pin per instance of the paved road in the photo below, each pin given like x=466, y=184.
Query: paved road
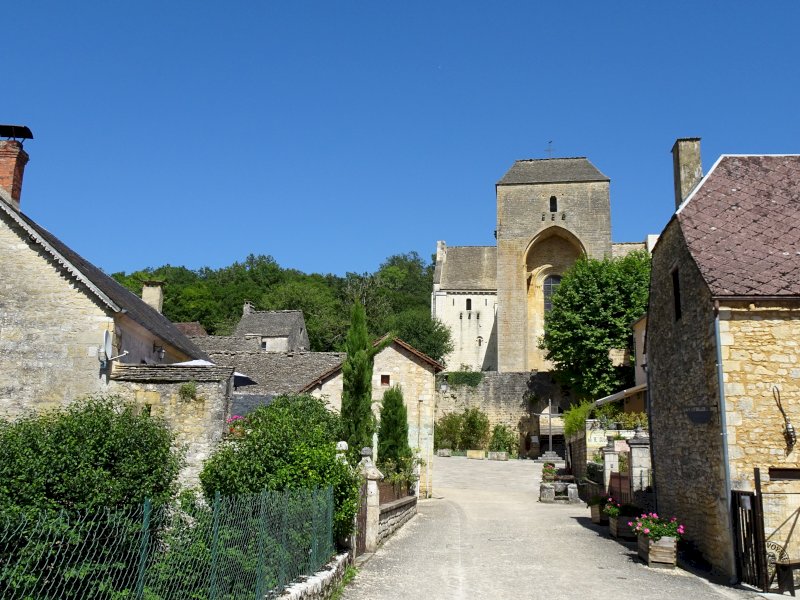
x=485, y=536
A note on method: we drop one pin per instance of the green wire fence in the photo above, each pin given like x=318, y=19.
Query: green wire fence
x=238, y=547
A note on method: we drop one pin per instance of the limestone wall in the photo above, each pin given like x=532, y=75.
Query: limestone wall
x=473, y=330
x=760, y=352
x=522, y=215
x=394, y=515
x=685, y=418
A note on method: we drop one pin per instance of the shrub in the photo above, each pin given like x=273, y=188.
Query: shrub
x=475, y=430
x=464, y=377
x=188, y=391
x=504, y=440
x=289, y=444
x=447, y=432
x=97, y=452
x=393, y=431
x=575, y=417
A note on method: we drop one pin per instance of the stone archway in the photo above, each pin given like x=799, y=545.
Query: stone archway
x=548, y=255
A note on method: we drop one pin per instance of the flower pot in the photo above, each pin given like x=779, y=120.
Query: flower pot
x=618, y=527
x=598, y=516
x=661, y=553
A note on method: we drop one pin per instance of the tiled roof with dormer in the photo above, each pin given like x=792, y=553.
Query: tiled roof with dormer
x=742, y=226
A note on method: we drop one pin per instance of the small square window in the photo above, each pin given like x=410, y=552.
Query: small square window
x=385, y=380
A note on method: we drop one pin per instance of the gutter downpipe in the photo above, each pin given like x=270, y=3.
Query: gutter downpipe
x=726, y=469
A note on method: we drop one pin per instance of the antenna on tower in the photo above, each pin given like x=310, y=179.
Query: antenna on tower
x=549, y=149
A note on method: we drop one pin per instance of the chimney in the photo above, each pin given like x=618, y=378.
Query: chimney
x=153, y=294
x=687, y=167
x=12, y=165
x=247, y=308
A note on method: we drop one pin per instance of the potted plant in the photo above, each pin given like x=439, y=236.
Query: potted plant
x=549, y=472
x=619, y=519
x=597, y=505
x=658, y=539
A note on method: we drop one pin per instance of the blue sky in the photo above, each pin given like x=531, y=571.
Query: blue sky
x=331, y=135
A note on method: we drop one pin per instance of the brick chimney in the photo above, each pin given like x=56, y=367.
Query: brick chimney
x=686, y=167
x=12, y=165
x=153, y=294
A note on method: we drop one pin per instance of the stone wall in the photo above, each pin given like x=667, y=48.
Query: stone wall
x=522, y=214
x=394, y=515
x=322, y=584
x=760, y=343
x=685, y=418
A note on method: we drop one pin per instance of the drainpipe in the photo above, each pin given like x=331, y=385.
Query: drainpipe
x=726, y=469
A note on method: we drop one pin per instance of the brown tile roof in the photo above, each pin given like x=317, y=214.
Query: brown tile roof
x=551, y=170
x=191, y=329
x=170, y=373
x=742, y=226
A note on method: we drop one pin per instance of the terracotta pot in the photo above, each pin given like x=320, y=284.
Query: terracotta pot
x=619, y=528
x=662, y=553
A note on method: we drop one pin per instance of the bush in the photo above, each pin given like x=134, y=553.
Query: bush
x=464, y=377
x=575, y=417
x=97, y=452
x=290, y=444
x=504, y=440
x=447, y=432
x=475, y=430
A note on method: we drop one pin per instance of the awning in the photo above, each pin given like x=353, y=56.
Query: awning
x=621, y=395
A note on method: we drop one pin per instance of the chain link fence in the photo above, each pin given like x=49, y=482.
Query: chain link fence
x=237, y=547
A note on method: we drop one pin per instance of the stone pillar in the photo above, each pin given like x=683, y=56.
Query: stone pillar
x=371, y=473
x=610, y=461
x=639, y=464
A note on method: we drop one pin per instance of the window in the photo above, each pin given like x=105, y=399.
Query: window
x=480, y=341
x=385, y=379
x=469, y=303
x=676, y=293
x=551, y=283
x=263, y=344
x=553, y=204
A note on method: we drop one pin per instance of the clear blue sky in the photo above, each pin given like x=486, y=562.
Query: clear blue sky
x=333, y=134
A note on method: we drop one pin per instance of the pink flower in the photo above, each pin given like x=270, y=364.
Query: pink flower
x=646, y=531
x=630, y=523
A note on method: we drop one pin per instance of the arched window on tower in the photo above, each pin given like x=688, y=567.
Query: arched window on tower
x=469, y=303
x=551, y=283
x=553, y=204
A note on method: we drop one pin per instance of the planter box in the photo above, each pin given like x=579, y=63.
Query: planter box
x=598, y=516
x=662, y=553
x=444, y=452
x=498, y=455
x=476, y=454
x=618, y=527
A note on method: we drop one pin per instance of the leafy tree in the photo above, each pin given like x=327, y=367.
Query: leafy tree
x=592, y=312
x=475, y=429
x=97, y=452
x=504, y=439
x=358, y=421
x=426, y=334
x=447, y=431
x=393, y=448
x=289, y=444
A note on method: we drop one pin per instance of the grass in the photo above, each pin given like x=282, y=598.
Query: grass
x=350, y=573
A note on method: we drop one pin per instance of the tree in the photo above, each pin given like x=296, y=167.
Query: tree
x=426, y=334
x=592, y=312
x=358, y=421
x=289, y=444
x=393, y=448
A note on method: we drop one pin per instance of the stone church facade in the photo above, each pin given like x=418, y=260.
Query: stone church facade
x=494, y=298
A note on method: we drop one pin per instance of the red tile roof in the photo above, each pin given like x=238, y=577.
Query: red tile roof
x=742, y=226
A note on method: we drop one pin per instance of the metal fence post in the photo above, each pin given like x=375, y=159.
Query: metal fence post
x=329, y=520
x=261, y=581
x=282, y=575
x=314, y=528
x=143, y=547
x=212, y=593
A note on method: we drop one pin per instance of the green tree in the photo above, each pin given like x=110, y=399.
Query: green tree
x=97, y=452
x=289, y=444
x=592, y=312
x=426, y=334
x=393, y=448
x=475, y=429
x=447, y=431
x=358, y=420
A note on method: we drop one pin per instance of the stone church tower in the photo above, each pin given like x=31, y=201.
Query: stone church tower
x=549, y=212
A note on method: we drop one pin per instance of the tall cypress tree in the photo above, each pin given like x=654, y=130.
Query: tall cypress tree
x=393, y=432
x=358, y=421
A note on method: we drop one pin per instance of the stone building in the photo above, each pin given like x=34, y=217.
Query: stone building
x=273, y=330
x=494, y=298
x=58, y=312
x=397, y=364
x=722, y=347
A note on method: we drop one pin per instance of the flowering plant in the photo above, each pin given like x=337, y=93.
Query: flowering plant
x=655, y=527
x=236, y=425
x=549, y=472
x=614, y=509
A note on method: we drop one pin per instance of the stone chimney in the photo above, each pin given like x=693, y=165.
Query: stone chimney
x=153, y=294
x=12, y=165
x=247, y=308
x=687, y=167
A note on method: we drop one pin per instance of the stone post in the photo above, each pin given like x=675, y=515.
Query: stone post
x=371, y=473
x=610, y=461
x=639, y=464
